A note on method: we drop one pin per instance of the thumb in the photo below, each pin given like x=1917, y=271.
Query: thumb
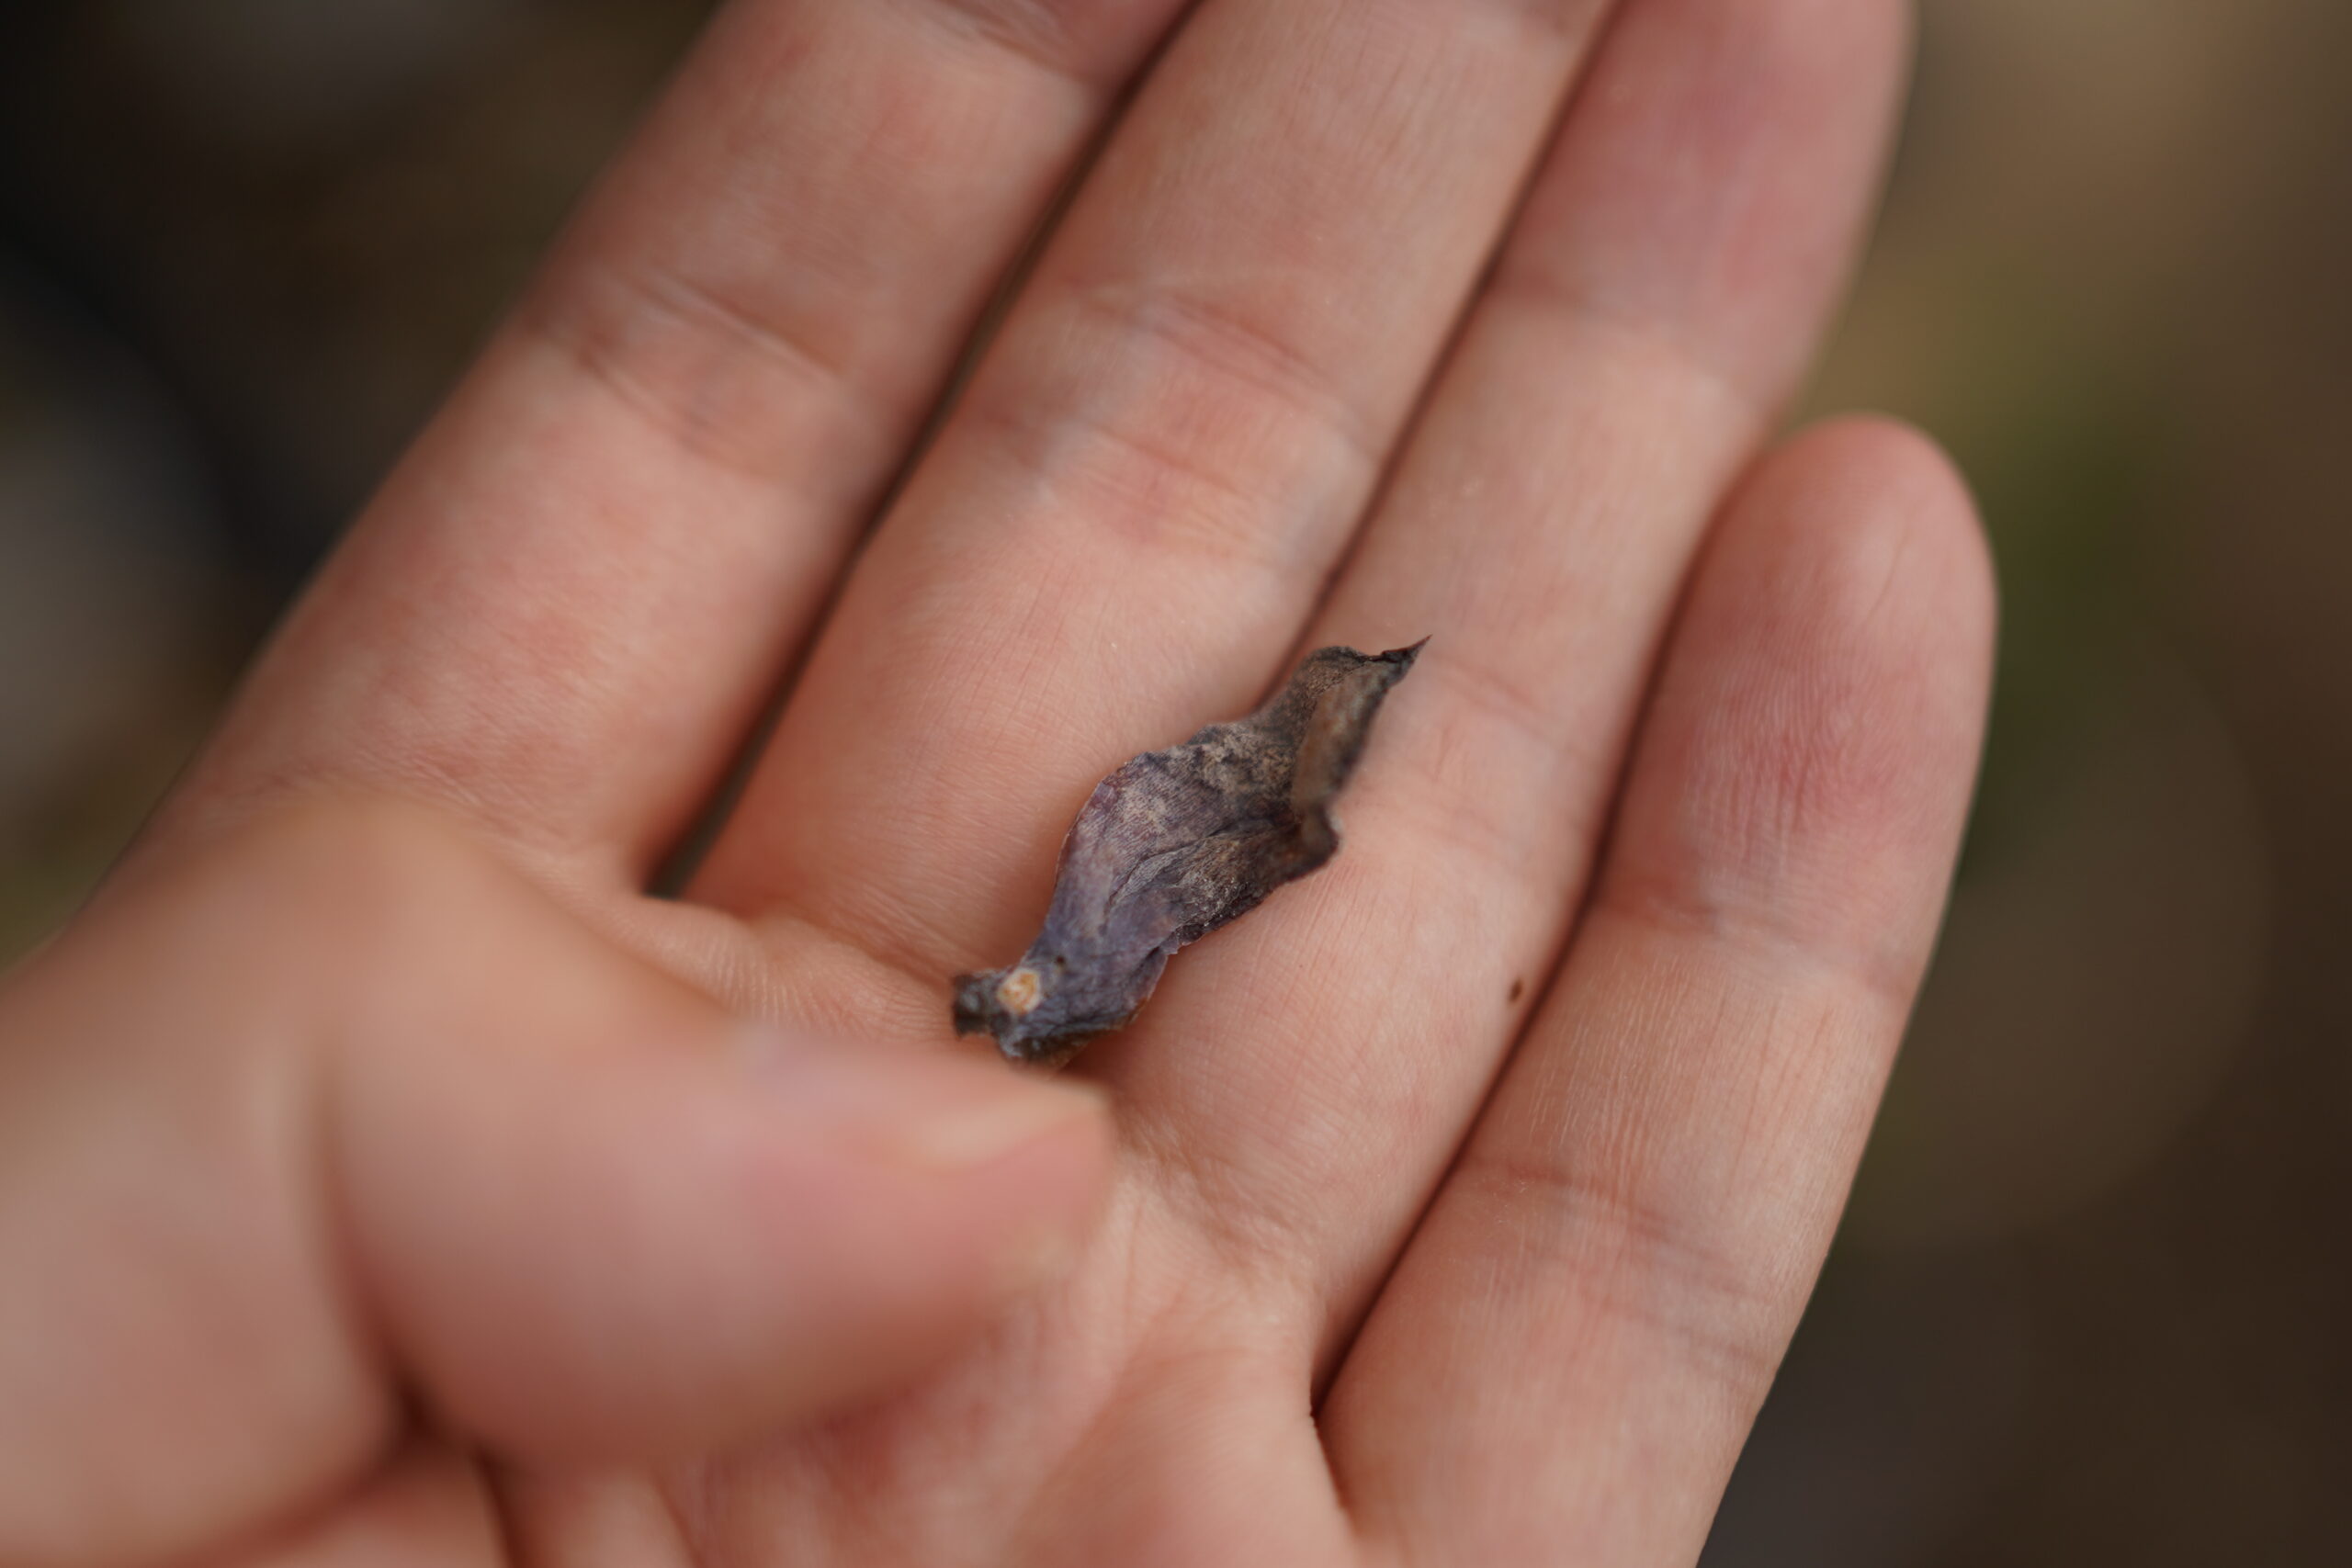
x=600, y=1221
x=344, y=1115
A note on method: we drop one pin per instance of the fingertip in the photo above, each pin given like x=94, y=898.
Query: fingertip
x=954, y=1112
x=1880, y=486
x=1815, y=734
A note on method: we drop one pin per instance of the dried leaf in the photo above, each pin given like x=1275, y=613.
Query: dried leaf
x=1176, y=844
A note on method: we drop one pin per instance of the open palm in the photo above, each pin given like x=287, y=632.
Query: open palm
x=1461, y=1201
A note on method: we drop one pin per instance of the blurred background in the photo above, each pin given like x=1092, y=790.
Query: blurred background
x=2092, y=1302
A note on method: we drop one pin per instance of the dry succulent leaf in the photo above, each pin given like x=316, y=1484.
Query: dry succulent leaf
x=1176, y=844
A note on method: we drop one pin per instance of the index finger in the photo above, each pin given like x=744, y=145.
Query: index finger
x=565, y=609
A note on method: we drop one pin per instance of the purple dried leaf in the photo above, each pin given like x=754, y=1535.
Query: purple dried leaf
x=1176, y=844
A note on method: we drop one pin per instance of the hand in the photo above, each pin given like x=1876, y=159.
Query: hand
x=379, y=1166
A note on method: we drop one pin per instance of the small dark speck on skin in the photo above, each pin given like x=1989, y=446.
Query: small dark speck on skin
x=1517, y=990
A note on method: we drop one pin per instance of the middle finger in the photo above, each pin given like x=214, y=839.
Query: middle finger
x=1126, y=523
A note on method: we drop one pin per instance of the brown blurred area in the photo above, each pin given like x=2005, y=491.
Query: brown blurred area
x=2091, y=1303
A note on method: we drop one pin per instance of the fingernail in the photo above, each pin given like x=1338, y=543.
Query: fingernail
x=992, y=1125
x=944, y=1113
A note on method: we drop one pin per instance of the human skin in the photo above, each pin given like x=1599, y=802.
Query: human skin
x=386, y=1177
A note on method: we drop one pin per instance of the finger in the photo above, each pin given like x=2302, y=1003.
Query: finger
x=377, y=1118
x=1124, y=525
x=565, y=607
x=1569, y=1354
x=1654, y=307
